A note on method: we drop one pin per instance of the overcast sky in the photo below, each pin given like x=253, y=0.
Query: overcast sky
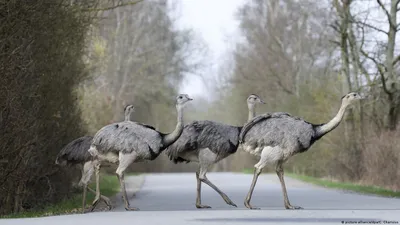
x=214, y=22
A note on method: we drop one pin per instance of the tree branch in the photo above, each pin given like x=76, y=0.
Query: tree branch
x=335, y=42
x=386, y=12
x=381, y=72
x=378, y=64
x=396, y=60
x=113, y=7
x=372, y=27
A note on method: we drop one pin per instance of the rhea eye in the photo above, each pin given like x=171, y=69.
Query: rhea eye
x=180, y=97
x=354, y=95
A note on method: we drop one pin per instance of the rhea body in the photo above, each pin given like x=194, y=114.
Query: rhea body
x=76, y=153
x=207, y=142
x=275, y=137
x=127, y=142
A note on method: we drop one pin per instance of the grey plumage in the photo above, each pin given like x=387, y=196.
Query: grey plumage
x=75, y=152
x=126, y=142
x=282, y=129
x=275, y=137
x=220, y=138
x=128, y=136
x=208, y=142
x=270, y=129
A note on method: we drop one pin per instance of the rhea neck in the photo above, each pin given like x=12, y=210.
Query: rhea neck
x=252, y=111
x=127, y=115
x=174, y=135
x=179, y=119
x=323, y=129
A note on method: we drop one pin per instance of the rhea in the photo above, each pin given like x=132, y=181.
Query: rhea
x=276, y=137
x=76, y=153
x=207, y=142
x=127, y=142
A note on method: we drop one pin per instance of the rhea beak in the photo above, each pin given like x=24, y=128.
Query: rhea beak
x=190, y=99
x=262, y=102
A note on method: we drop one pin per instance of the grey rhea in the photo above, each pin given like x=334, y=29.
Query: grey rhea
x=208, y=142
x=76, y=153
x=127, y=142
x=275, y=137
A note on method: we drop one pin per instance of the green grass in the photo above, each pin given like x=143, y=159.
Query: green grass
x=248, y=171
x=109, y=186
x=346, y=186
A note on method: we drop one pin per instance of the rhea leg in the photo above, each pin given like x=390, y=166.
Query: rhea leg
x=98, y=196
x=124, y=161
x=87, y=172
x=279, y=172
x=269, y=155
x=257, y=173
x=104, y=198
x=198, y=198
x=203, y=178
x=84, y=198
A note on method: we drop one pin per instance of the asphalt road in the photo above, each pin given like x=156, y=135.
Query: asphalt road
x=169, y=199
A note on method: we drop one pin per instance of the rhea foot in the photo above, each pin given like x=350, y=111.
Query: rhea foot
x=200, y=206
x=288, y=206
x=229, y=202
x=108, y=203
x=128, y=208
x=247, y=204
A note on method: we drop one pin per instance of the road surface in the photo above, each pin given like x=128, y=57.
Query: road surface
x=169, y=199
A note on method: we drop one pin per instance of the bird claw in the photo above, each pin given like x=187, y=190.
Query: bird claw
x=131, y=208
x=86, y=210
x=107, y=201
x=232, y=204
x=250, y=207
x=229, y=201
x=202, y=206
x=109, y=206
x=292, y=207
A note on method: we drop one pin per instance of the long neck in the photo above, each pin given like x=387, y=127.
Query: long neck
x=252, y=111
x=252, y=114
x=127, y=116
x=170, y=138
x=323, y=129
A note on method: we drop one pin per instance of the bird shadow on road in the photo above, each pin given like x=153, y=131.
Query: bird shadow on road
x=291, y=219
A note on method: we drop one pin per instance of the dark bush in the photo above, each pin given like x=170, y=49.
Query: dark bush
x=41, y=48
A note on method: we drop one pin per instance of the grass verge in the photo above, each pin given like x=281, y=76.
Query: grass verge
x=109, y=186
x=346, y=186
x=248, y=171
